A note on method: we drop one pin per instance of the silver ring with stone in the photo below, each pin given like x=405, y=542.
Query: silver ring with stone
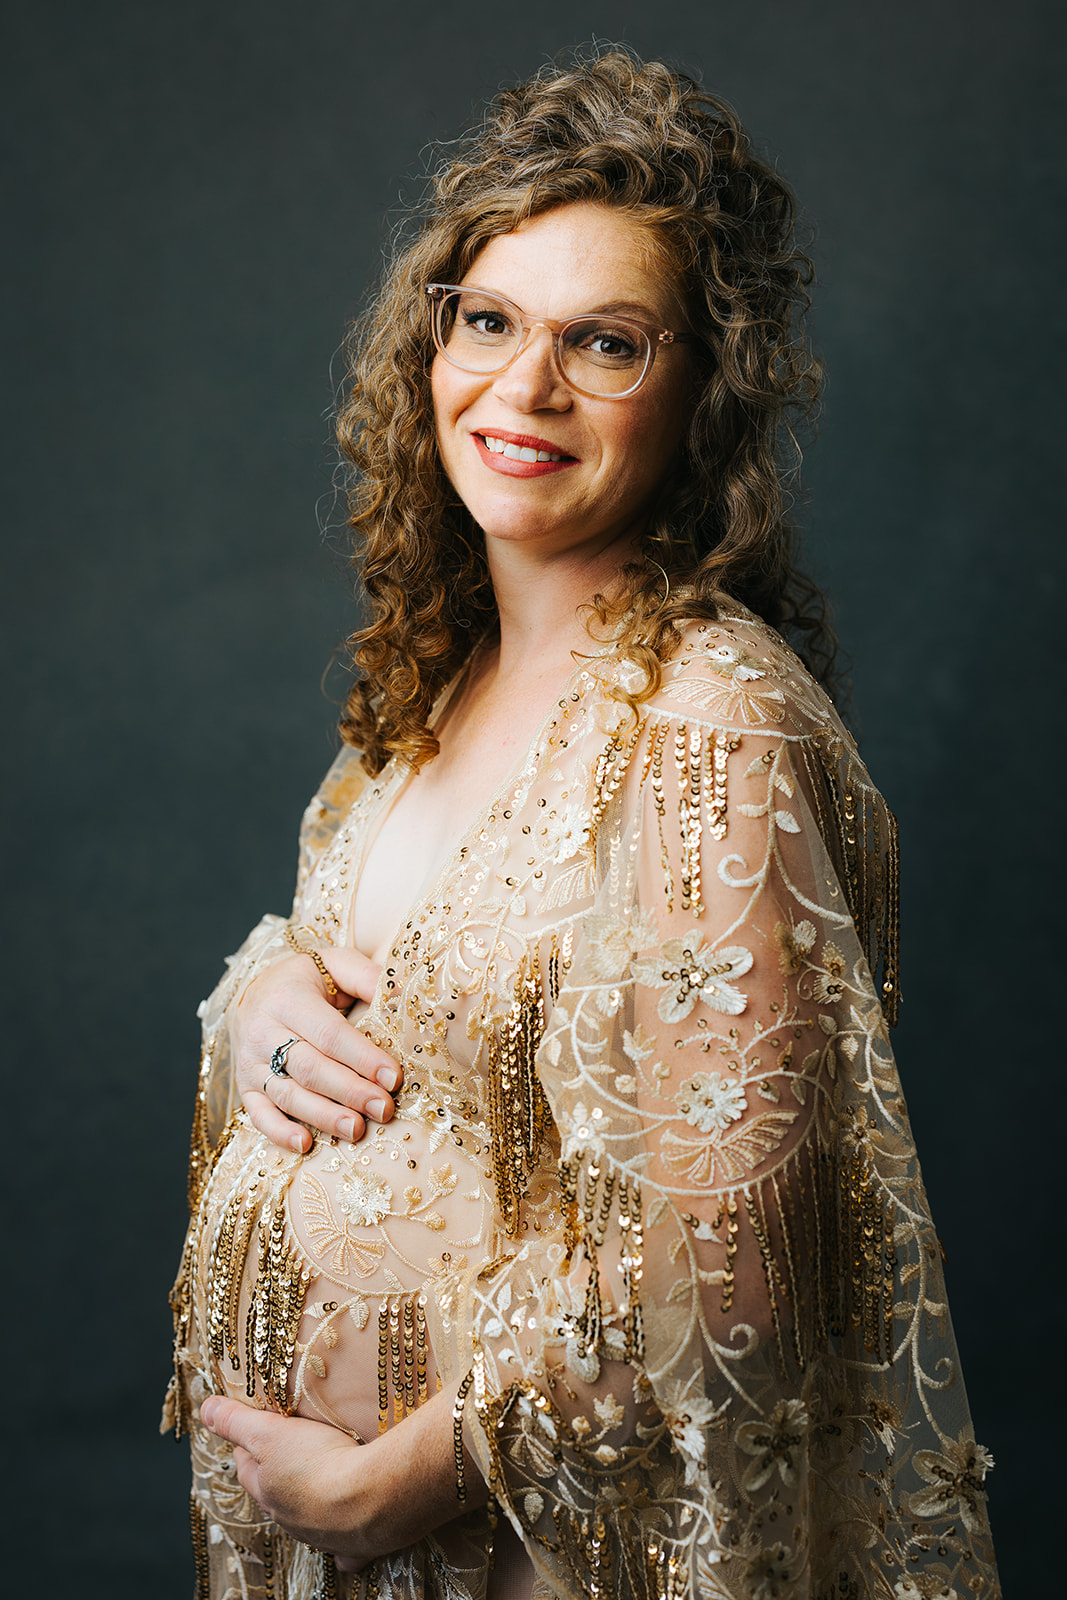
x=277, y=1060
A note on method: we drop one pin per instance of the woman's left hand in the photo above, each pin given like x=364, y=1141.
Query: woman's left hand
x=357, y=1501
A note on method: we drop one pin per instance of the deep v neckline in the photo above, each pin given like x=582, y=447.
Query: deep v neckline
x=390, y=795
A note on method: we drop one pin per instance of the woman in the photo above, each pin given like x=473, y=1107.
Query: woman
x=643, y=1256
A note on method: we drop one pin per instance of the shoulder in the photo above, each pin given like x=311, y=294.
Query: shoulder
x=737, y=672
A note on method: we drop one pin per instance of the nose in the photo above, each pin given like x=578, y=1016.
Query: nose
x=532, y=382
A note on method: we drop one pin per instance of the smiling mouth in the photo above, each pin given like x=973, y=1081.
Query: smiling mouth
x=517, y=452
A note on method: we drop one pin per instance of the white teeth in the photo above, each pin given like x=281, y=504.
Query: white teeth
x=516, y=452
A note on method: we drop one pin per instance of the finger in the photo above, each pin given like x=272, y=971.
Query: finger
x=329, y=1116
x=265, y=1116
x=334, y=1037
x=323, y=1075
x=353, y=972
x=241, y=1424
x=306, y=1015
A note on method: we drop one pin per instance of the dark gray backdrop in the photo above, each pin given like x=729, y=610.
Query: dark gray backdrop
x=201, y=193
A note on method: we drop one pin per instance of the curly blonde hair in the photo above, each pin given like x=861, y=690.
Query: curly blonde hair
x=650, y=142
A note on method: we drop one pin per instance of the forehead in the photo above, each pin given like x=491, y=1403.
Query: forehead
x=576, y=258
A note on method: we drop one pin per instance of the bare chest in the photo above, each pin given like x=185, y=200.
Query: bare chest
x=422, y=828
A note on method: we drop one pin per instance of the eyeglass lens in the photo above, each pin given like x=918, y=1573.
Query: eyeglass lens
x=601, y=355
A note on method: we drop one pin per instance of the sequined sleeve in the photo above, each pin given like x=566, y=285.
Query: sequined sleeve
x=730, y=1372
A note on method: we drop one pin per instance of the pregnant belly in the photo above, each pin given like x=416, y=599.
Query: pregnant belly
x=312, y=1271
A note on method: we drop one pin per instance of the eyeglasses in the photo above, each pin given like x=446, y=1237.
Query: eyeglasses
x=600, y=355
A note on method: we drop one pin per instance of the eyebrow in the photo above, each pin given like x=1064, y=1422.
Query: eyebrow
x=607, y=308
x=623, y=308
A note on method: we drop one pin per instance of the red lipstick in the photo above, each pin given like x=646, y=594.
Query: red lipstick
x=515, y=468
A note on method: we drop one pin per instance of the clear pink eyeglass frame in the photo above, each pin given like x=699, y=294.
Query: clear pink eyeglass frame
x=439, y=294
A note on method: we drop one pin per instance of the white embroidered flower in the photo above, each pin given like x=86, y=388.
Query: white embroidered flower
x=613, y=942
x=690, y=973
x=794, y=944
x=734, y=663
x=956, y=1476
x=609, y=1412
x=565, y=834
x=364, y=1198
x=710, y=1103
x=885, y=1418
x=774, y=1444
x=829, y=987
x=582, y=1136
x=688, y=1421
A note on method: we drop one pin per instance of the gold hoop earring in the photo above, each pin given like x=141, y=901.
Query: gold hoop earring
x=667, y=581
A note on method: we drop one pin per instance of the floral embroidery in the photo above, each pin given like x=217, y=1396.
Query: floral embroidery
x=711, y=1103
x=956, y=1476
x=770, y=1574
x=688, y=1424
x=609, y=1413
x=774, y=1444
x=364, y=1199
x=330, y=1242
x=885, y=1419
x=563, y=836
x=828, y=988
x=692, y=973
x=933, y=1584
x=794, y=945
x=742, y=697
x=586, y=1134
x=613, y=943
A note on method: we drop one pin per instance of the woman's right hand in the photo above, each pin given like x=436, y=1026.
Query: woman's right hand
x=335, y=1077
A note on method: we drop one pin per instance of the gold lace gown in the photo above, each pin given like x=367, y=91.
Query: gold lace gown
x=651, y=1176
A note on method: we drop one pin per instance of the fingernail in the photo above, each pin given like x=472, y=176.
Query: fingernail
x=346, y=1129
x=376, y=1109
x=297, y=1143
x=388, y=1077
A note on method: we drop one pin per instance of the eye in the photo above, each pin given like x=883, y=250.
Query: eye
x=611, y=344
x=487, y=322
x=606, y=344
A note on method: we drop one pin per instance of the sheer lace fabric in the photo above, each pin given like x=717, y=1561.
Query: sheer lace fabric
x=651, y=1175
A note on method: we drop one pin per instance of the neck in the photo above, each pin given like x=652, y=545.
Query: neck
x=539, y=600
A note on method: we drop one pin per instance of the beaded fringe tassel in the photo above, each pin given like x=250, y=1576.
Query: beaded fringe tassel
x=861, y=833
x=402, y=1351
x=275, y=1308
x=202, y=1565
x=518, y=1110
x=176, y=1408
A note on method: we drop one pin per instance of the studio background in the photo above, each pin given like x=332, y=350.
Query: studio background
x=200, y=196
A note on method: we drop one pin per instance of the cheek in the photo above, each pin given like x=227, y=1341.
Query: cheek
x=452, y=392
x=651, y=439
